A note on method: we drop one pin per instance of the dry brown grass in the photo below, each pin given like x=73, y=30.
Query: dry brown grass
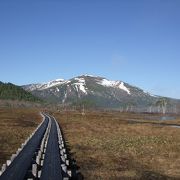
x=16, y=124
x=105, y=145
x=108, y=146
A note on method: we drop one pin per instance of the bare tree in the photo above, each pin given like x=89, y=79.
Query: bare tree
x=162, y=104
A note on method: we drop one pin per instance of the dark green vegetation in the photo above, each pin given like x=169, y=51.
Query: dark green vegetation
x=10, y=91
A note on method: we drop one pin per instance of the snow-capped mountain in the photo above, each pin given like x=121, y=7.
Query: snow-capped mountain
x=93, y=90
x=42, y=86
x=115, y=84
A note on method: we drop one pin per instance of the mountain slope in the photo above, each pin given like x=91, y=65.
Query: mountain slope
x=92, y=90
x=10, y=91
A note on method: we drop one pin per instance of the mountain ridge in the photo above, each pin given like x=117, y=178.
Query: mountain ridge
x=95, y=90
x=57, y=82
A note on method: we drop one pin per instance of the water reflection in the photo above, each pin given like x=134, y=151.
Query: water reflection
x=161, y=118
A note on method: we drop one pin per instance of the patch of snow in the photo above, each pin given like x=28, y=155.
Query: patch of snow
x=69, y=88
x=54, y=83
x=106, y=82
x=82, y=88
x=116, y=84
x=42, y=86
x=123, y=87
x=76, y=87
x=57, y=89
x=67, y=82
x=153, y=95
x=32, y=87
x=50, y=84
x=59, y=80
x=65, y=96
x=89, y=75
x=150, y=94
x=80, y=85
x=81, y=80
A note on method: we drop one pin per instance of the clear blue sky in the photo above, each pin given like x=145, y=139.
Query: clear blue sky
x=137, y=41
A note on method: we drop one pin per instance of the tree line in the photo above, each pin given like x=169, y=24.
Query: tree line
x=10, y=91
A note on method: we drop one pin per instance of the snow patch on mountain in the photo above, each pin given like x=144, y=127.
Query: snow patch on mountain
x=80, y=80
x=123, y=87
x=57, y=89
x=150, y=94
x=82, y=88
x=32, y=87
x=65, y=96
x=80, y=85
x=106, y=82
x=116, y=84
x=53, y=83
x=89, y=75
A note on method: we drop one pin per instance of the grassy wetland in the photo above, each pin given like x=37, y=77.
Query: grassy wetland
x=106, y=145
x=109, y=146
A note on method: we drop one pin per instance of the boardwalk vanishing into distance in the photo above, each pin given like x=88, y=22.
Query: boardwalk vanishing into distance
x=43, y=155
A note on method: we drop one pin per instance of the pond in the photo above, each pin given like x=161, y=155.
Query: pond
x=165, y=118
x=175, y=126
x=161, y=118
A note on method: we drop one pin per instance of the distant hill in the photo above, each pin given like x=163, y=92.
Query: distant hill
x=96, y=91
x=10, y=91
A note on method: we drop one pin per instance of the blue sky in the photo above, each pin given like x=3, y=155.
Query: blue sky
x=134, y=41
